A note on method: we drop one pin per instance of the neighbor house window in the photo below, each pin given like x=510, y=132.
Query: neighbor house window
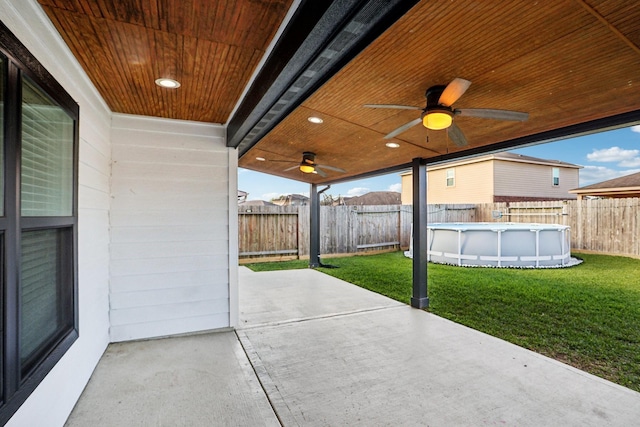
x=556, y=176
x=451, y=177
x=38, y=223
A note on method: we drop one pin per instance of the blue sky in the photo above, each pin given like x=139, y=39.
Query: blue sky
x=604, y=155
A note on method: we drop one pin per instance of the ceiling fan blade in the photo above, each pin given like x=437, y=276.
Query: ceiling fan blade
x=454, y=91
x=488, y=113
x=403, y=128
x=331, y=168
x=291, y=168
x=320, y=172
x=456, y=135
x=397, y=107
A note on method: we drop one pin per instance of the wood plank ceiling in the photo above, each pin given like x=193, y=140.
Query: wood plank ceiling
x=565, y=62
x=210, y=47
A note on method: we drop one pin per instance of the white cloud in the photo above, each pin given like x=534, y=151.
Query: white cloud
x=630, y=163
x=357, y=191
x=635, y=128
x=396, y=187
x=613, y=154
x=592, y=174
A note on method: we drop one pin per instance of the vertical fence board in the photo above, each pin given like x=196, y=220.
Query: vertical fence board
x=304, y=216
x=406, y=218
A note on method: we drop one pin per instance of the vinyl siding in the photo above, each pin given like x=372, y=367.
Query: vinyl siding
x=473, y=184
x=170, y=228
x=55, y=397
x=406, y=196
x=533, y=180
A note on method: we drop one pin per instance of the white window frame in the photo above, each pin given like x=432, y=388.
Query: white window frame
x=451, y=177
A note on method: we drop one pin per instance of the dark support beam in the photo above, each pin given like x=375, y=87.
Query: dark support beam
x=419, y=298
x=314, y=229
x=320, y=39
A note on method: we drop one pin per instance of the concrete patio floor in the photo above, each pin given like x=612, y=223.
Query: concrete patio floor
x=314, y=350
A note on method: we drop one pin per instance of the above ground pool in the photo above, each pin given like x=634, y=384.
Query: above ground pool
x=499, y=244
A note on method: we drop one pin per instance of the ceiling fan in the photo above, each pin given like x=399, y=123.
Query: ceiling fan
x=309, y=165
x=438, y=113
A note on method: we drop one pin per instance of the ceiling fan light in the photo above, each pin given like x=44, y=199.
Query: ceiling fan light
x=437, y=120
x=307, y=168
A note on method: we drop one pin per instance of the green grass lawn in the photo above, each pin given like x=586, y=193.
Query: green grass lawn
x=587, y=316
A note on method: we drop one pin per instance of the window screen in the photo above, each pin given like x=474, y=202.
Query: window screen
x=47, y=155
x=44, y=313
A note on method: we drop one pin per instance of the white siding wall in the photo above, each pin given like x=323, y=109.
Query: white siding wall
x=170, y=246
x=533, y=180
x=53, y=400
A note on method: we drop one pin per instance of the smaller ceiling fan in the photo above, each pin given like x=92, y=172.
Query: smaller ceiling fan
x=309, y=165
x=438, y=114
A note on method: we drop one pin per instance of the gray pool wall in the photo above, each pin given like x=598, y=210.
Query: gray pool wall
x=499, y=244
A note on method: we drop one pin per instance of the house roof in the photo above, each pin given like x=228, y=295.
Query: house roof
x=504, y=156
x=628, y=185
x=292, y=197
x=513, y=157
x=262, y=68
x=375, y=198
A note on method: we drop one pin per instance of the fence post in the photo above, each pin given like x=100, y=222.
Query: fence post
x=579, y=232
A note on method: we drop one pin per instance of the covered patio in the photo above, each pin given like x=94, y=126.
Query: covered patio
x=164, y=100
x=314, y=350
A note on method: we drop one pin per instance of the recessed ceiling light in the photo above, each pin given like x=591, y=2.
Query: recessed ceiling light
x=260, y=159
x=168, y=83
x=392, y=144
x=317, y=120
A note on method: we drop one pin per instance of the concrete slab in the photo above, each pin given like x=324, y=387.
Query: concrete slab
x=271, y=297
x=200, y=380
x=322, y=352
x=400, y=366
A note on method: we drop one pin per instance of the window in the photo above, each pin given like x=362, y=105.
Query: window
x=556, y=176
x=451, y=177
x=38, y=223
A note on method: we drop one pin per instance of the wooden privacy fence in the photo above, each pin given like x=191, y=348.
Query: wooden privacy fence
x=606, y=225
x=267, y=231
x=609, y=226
x=279, y=232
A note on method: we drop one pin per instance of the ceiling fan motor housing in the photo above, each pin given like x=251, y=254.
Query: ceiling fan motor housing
x=436, y=116
x=308, y=157
x=433, y=95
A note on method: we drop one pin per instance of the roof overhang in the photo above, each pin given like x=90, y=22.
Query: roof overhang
x=572, y=65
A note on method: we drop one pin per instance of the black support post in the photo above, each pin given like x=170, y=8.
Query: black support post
x=314, y=229
x=419, y=298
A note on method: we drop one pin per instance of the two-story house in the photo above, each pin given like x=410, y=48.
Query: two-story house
x=500, y=177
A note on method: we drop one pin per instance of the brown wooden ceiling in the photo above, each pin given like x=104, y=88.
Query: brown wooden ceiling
x=210, y=47
x=565, y=62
